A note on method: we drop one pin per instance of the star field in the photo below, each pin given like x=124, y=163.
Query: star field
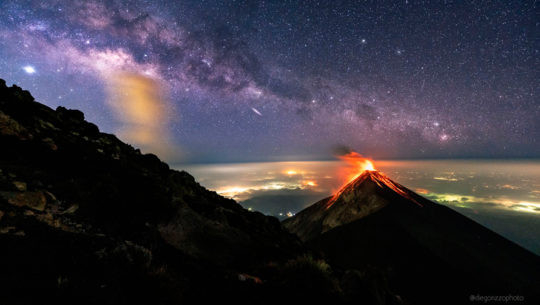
x=291, y=80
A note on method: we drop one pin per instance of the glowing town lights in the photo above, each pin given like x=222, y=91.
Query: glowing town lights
x=310, y=183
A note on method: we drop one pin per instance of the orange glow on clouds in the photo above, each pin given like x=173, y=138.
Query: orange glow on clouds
x=356, y=165
x=422, y=191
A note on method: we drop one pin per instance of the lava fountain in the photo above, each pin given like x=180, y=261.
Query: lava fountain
x=356, y=165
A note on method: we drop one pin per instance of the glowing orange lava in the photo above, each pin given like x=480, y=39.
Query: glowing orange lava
x=357, y=164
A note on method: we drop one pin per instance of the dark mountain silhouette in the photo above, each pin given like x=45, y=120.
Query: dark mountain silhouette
x=86, y=218
x=429, y=253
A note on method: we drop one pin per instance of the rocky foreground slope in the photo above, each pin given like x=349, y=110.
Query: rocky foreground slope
x=86, y=218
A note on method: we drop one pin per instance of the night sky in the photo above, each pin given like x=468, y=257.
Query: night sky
x=217, y=81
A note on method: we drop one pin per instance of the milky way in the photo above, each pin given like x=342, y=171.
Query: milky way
x=283, y=80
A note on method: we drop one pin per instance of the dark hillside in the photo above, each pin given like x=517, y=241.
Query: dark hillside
x=84, y=214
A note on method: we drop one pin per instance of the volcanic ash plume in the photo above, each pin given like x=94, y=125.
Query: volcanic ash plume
x=356, y=164
x=137, y=101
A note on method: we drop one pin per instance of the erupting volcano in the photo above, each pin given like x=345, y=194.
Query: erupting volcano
x=356, y=164
x=362, y=169
x=380, y=179
x=374, y=222
x=367, y=192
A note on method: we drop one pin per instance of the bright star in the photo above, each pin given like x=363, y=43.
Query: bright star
x=29, y=69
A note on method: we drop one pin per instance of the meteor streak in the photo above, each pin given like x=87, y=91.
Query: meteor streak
x=256, y=111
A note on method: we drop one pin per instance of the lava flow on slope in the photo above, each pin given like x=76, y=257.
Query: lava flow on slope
x=362, y=169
